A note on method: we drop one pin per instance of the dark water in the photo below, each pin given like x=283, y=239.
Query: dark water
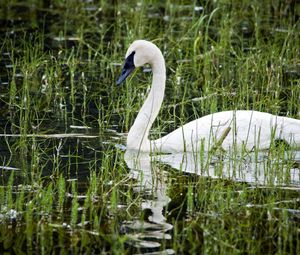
x=58, y=66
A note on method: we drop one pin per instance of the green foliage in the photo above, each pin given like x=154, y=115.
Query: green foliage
x=59, y=64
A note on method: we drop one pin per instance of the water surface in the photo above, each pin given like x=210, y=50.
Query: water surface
x=68, y=185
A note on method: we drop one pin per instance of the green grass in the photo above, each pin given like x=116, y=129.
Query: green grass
x=58, y=69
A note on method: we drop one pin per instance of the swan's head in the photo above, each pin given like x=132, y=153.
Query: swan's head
x=139, y=53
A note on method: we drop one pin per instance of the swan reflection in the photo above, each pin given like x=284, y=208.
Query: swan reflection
x=151, y=181
x=258, y=168
x=254, y=168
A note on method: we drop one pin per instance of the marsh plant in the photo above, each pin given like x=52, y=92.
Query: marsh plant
x=65, y=186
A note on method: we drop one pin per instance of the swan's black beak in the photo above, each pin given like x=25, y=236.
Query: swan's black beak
x=127, y=68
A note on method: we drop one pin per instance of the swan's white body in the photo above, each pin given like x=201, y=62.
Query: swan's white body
x=229, y=129
x=251, y=129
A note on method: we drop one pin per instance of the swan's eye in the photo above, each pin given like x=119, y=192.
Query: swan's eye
x=127, y=68
x=129, y=60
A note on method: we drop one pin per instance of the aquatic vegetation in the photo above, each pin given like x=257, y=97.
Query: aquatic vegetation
x=65, y=178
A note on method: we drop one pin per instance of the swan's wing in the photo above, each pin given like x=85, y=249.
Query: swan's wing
x=198, y=134
x=253, y=129
x=229, y=129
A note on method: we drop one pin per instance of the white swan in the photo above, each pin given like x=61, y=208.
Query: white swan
x=229, y=129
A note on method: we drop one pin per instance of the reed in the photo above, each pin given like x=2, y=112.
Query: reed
x=58, y=68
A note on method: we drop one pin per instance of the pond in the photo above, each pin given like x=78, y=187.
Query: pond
x=68, y=185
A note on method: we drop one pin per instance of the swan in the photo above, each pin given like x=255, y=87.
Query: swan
x=228, y=129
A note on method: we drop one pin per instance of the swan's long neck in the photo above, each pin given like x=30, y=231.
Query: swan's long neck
x=139, y=132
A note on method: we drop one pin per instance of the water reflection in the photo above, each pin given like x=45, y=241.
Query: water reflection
x=253, y=168
x=256, y=168
x=146, y=234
